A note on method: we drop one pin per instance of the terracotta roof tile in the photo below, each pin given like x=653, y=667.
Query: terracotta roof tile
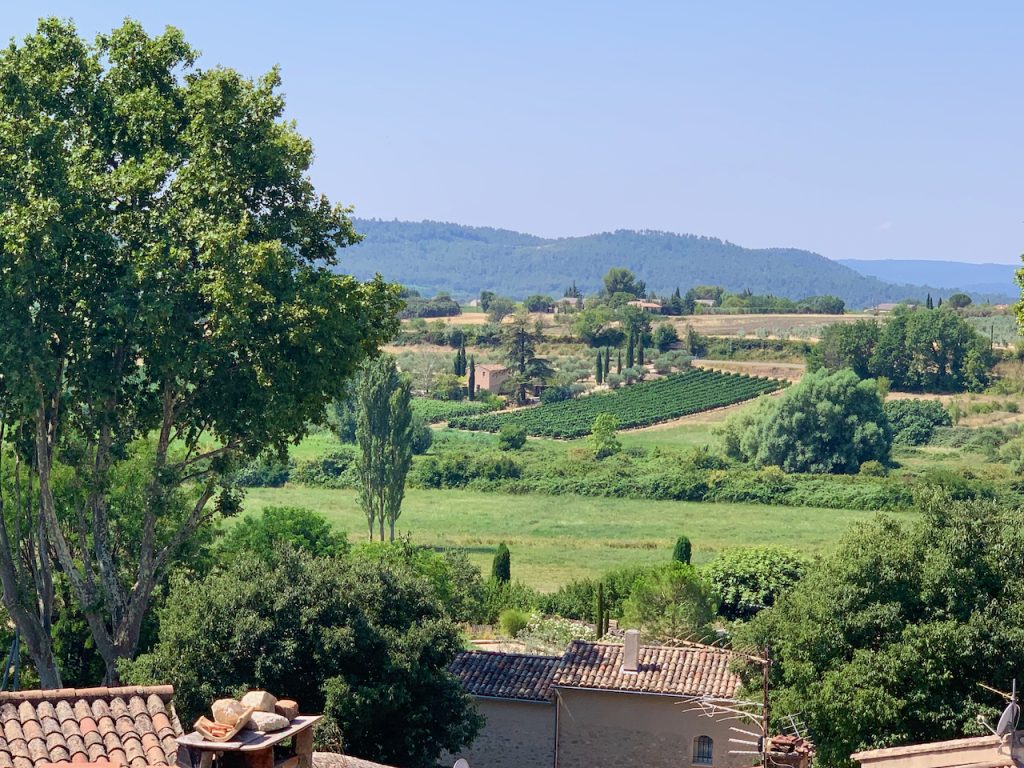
x=505, y=675
x=127, y=726
x=683, y=671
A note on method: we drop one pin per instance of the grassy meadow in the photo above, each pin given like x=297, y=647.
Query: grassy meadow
x=558, y=538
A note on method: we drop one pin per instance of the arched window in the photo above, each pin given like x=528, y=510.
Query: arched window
x=703, y=750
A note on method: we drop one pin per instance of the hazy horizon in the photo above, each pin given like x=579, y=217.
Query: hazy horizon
x=858, y=132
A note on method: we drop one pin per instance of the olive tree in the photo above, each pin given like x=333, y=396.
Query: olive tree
x=166, y=274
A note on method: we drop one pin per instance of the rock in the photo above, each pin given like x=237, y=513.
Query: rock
x=227, y=711
x=266, y=722
x=261, y=701
x=287, y=708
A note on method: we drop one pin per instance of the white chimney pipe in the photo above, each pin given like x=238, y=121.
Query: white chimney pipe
x=631, y=651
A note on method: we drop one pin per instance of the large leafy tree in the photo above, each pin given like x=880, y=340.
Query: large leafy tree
x=521, y=353
x=826, y=423
x=384, y=434
x=363, y=639
x=885, y=641
x=165, y=273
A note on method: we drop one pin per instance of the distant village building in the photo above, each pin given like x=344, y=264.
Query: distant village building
x=705, y=302
x=491, y=377
x=566, y=304
x=647, y=306
x=886, y=307
x=601, y=704
x=474, y=303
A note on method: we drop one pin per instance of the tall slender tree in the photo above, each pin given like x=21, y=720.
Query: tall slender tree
x=599, y=368
x=471, y=378
x=618, y=362
x=607, y=361
x=384, y=439
x=630, y=351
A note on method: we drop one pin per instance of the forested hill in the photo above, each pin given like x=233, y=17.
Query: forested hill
x=433, y=256
x=998, y=279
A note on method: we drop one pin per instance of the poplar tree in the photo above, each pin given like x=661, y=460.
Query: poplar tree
x=384, y=440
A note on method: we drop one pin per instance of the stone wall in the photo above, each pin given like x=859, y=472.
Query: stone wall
x=517, y=734
x=598, y=728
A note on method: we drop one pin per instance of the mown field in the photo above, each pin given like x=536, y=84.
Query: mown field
x=556, y=538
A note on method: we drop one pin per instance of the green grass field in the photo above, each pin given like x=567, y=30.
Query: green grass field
x=555, y=539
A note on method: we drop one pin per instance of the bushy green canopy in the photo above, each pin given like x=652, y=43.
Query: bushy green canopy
x=826, y=423
x=363, y=639
x=886, y=640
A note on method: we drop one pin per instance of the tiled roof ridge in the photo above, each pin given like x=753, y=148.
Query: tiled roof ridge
x=165, y=692
x=520, y=654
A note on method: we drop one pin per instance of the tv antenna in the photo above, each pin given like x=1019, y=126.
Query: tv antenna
x=1011, y=713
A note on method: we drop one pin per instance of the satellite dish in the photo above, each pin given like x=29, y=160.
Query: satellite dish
x=1008, y=720
x=461, y=763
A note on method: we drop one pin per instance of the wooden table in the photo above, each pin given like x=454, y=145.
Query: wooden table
x=253, y=749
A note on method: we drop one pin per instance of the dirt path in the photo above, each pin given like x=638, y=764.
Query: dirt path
x=770, y=368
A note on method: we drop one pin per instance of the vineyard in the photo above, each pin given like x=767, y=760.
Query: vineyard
x=433, y=411
x=635, y=406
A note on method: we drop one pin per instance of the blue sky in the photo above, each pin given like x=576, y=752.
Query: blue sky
x=858, y=130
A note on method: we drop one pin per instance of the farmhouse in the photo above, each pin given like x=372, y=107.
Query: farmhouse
x=490, y=377
x=647, y=306
x=601, y=704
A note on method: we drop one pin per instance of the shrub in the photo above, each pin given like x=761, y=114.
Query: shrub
x=335, y=470
x=747, y=580
x=682, y=551
x=302, y=529
x=556, y=394
x=422, y=437
x=500, y=595
x=501, y=568
x=511, y=437
x=267, y=471
x=603, y=436
x=670, y=603
x=513, y=621
x=913, y=422
x=575, y=600
x=550, y=635
x=873, y=469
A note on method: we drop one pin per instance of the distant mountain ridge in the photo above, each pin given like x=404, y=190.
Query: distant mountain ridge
x=981, y=279
x=435, y=256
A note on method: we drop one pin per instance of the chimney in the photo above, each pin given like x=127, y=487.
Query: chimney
x=631, y=651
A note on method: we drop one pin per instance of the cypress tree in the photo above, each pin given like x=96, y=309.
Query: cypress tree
x=599, y=369
x=940, y=302
x=640, y=351
x=501, y=570
x=630, y=351
x=472, y=378
x=457, y=365
x=599, y=623
x=618, y=362
x=928, y=302
x=607, y=361
x=682, y=550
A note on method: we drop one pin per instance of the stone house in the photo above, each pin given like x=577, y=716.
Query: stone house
x=602, y=704
x=491, y=377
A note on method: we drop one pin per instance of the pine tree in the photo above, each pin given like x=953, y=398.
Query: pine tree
x=501, y=568
x=599, y=369
x=472, y=378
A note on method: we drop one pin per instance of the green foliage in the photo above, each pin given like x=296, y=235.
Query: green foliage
x=913, y=422
x=442, y=305
x=673, y=602
x=265, y=471
x=538, y=303
x=745, y=581
x=959, y=300
x=433, y=411
x=682, y=551
x=422, y=437
x=188, y=277
x=931, y=351
x=502, y=595
x=384, y=437
x=334, y=470
x=602, y=435
x=513, y=621
x=556, y=394
x=621, y=280
x=886, y=640
x=500, y=307
x=501, y=568
x=665, y=336
x=365, y=642
x=829, y=423
x=303, y=530
x=551, y=634
x=640, y=405
x=873, y=468
x=511, y=437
